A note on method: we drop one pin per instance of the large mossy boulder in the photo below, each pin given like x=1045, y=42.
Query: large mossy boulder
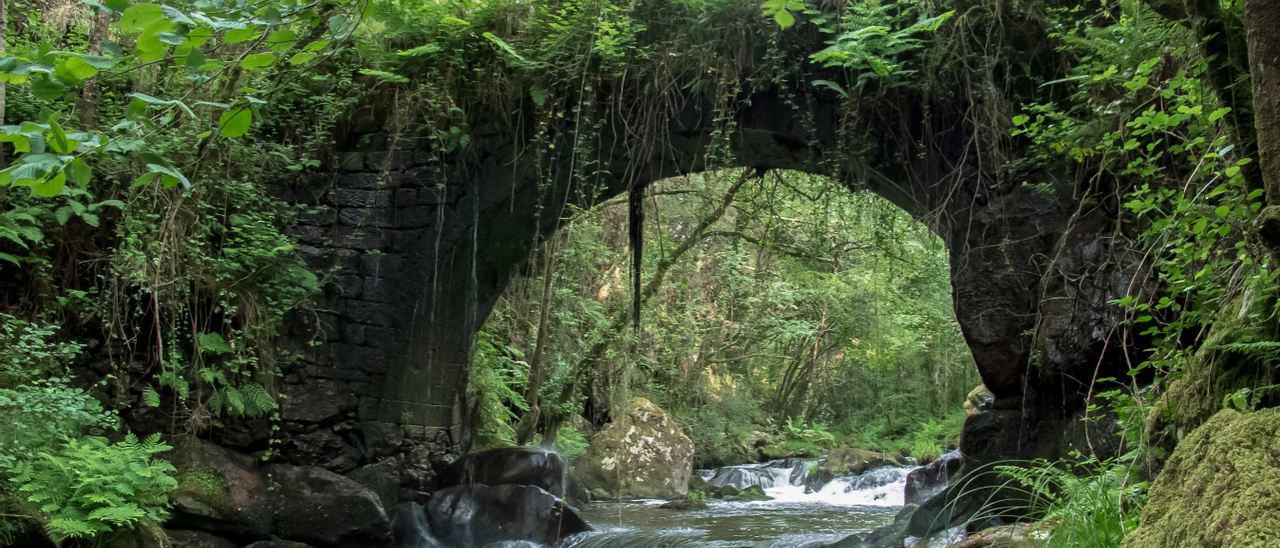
x=231, y=494
x=641, y=454
x=1221, y=487
x=849, y=462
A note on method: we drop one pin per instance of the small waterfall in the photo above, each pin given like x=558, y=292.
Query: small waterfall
x=767, y=475
x=880, y=487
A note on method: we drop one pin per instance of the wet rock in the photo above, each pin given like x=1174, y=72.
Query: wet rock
x=641, y=454
x=1006, y=536
x=477, y=514
x=383, y=479
x=753, y=493
x=927, y=481
x=699, y=486
x=320, y=507
x=725, y=491
x=905, y=513
x=277, y=543
x=229, y=494
x=1220, y=487
x=685, y=504
x=186, y=538
x=410, y=527
x=849, y=462
x=518, y=465
x=220, y=491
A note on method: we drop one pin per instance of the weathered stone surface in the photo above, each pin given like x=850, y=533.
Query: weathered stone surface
x=319, y=400
x=410, y=527
x=849, y=462
x=1220, y=487
x=518, y=465
x=220, y=491
x=186, y=538
x=1006, y=536
x=641, y=454
x=477, y=514
x=321, y=447
x=927, y=481
x=277, y=543
x=228, y=494
x=383, y=479
x=322, y=508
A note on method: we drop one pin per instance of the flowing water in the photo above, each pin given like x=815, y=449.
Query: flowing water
x=793, y=519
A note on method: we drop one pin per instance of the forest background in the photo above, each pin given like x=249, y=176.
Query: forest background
x=139, y=141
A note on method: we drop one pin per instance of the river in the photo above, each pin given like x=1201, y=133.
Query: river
x=793, y=519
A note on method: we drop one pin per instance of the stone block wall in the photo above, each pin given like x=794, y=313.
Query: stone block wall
x=380, y=361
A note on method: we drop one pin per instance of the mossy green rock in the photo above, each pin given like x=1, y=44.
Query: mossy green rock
x=752, y=493
x=641, y=454
x=1221, y=487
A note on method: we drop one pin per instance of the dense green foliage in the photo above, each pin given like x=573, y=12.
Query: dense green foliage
x=778, y=311
x=781, y=305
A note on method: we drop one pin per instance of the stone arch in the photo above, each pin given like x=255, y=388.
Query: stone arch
x=421, y=250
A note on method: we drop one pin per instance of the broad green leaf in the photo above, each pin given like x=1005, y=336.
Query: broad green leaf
x=141, y=16
x=236, y=122
x=52, y=186
x=302, y=58
x=257, y=61
x=79, y=172
x=784, y=19
x=1217, y=114
x=316, y=46
x=240, y=35
x=282, y=40
x=44, y=87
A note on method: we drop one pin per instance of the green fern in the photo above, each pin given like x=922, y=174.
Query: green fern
x=91, y=486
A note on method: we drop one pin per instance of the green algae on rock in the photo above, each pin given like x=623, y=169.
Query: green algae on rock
x=642, y=454
x=1221, y=487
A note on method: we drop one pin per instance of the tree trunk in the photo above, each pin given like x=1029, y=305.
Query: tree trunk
x=4, y=28
x=89, y=95
x=1262, y=19
x=529, y=419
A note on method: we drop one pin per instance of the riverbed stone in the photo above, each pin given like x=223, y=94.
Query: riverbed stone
x=319, y=507
x=926, y=481
x=849, y=462
x=641, y=454
x=382, y=478
x=1220, y=487
x=230, y=494
x=518, y=465
x=188, y=538
x=476, y=514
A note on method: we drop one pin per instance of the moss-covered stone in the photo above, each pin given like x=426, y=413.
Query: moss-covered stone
x=641, y=454
x=1209, y=376
x=751, y=494
x=1221, y=487
x=849, y=462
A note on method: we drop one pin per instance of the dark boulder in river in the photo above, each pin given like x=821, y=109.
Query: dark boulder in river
x=465, y=516
x=927, y=481
x=518, y=465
